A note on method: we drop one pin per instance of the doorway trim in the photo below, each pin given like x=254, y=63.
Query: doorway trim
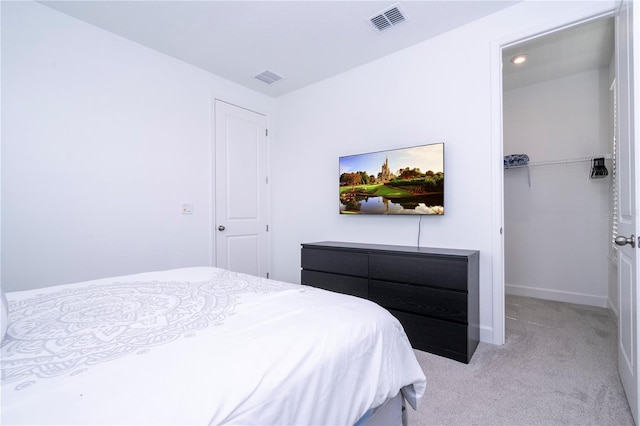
x=497, y=153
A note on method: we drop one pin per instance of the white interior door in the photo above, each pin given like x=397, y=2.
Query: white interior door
x=628, y=252
x=241, y=208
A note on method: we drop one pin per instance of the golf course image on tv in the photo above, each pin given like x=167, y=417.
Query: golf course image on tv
x=397, y=181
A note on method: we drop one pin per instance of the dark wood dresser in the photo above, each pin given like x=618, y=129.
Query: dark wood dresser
x=432, y=292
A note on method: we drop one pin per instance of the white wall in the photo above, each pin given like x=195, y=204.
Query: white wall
x=102, y=142
x=557, y=230
x=437, y=91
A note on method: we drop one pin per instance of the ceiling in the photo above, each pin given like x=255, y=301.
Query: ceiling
x=302, y=41
x=308, y=41
x=580, y=48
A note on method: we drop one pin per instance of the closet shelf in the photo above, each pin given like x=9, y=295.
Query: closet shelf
x=560, y=161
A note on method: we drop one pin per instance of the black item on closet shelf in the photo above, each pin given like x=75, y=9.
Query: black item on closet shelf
x=598, y=169
x=515, y=160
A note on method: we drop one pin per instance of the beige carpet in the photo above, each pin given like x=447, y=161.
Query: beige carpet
x=558, y=367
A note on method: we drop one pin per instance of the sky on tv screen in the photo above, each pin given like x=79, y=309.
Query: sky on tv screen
x=426, y=157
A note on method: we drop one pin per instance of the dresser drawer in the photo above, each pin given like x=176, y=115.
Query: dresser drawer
x=432, y=291
x=436, y=336
x=354, y=286
x=440, y=272
x=432, y=302
x=336, y=261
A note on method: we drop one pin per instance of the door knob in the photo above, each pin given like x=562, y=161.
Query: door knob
x=221, y=228
x=621, y=241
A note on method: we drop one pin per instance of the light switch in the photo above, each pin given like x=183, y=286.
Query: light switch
x=187, y=209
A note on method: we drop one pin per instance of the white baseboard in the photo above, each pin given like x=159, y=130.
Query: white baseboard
x=558, y=296
x=487, y=335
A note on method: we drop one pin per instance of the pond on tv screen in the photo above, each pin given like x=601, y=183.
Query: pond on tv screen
x=423, y=204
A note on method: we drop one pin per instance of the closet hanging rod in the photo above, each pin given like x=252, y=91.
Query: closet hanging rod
x=560, y=161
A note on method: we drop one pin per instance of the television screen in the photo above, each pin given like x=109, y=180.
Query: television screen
x=398, y=181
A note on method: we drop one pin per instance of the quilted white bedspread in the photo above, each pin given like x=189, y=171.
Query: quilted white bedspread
x=199, y=346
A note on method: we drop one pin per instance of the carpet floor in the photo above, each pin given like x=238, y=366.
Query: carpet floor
x=557, y=367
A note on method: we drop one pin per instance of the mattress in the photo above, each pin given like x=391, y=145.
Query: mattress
x=200, y=346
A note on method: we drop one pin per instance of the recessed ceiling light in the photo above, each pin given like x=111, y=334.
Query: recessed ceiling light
x=519, y=59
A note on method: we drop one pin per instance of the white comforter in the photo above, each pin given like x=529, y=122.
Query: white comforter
x=199, y=346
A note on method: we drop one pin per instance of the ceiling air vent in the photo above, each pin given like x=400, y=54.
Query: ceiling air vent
x=388, y=18
x=268, y=77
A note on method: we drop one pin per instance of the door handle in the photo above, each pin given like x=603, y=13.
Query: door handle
x=621, y=241
x=221, y=228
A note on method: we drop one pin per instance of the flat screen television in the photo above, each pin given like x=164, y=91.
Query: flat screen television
x=398, y=181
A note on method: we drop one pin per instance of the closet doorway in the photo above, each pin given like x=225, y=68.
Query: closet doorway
x=619, y=289
x=558, y=135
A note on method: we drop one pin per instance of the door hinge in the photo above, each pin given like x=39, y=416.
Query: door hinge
x=266, y=179
x=267, y=228
x=267, y=275
x=266, y=132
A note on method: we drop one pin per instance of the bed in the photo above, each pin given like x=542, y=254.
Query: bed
x=202, y=346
